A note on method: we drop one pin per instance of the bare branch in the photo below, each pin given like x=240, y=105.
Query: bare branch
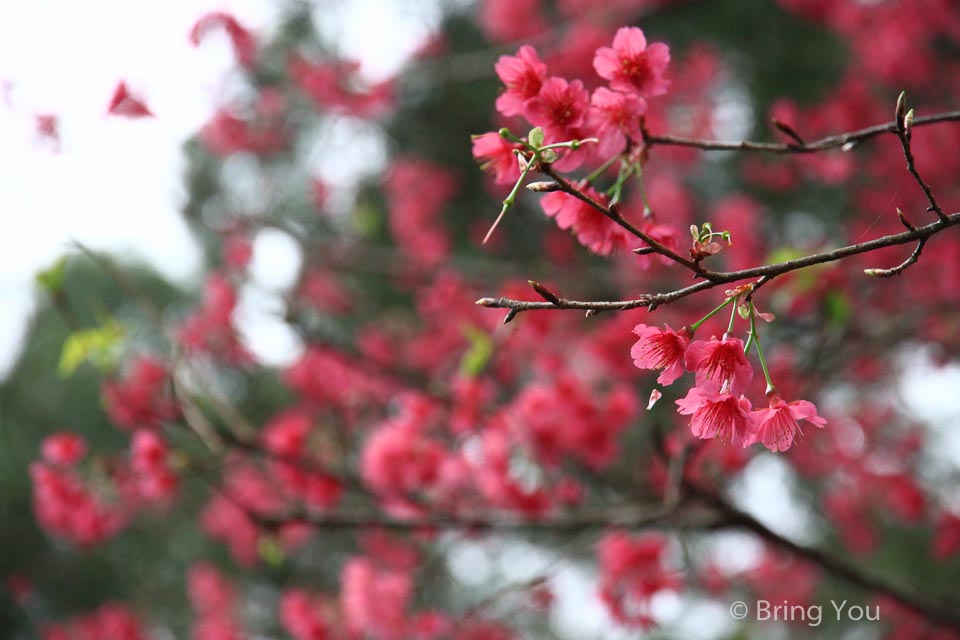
x=843, y=140
x=717, y=278
x=612, y=213
x=900, y=268
x=904, y=130
x=934, y=609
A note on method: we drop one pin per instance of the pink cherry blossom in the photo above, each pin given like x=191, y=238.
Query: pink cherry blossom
x=719, y=362
x=64, y=448
x=632, y=571
x=777, y=426
x=523, y=75
x=631, y=65
x=662, y=350
x=594, y=230
x=123, y=103
x=560, y=108
x=243, y=42
x=614, y=117
x=497, y=155
x=716, y=415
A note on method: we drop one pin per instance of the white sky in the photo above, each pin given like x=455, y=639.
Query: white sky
x=116, y=183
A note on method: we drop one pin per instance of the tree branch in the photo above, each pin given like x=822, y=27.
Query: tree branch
x=717, y=278
x=934, y=609
x=844, y=141
x=612, y=213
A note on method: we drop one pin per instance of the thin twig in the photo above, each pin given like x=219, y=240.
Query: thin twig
x=612, y=213
x=904, y=127
x=717, y=278
x=842, y=140
x=900, y=268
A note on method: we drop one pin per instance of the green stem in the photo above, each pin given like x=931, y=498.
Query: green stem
x=617, y=188
x=638, y=171
x=771, y=388
x=696, y=325
x=600, y=171
x=570, y=144
x=508, y=135
x=733, y=317
x=749, y=343
x=512, y=196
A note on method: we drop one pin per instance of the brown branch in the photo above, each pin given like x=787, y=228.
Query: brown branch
x=622, y=517
x=843, y=140
x=904, y=130
x=717, y=278
x=612, y=213
x=934, y=609
x=900, y=268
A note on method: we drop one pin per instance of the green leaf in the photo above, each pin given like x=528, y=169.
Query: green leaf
x=100, y=346
x=51, y=280
x=475, y=360
x=270, y=550
x=549, y=156
x=535, y=137
x=837, y=308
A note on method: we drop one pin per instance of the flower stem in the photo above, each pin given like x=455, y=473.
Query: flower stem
x=771, y=388
x=696, y=325
x=638, y=171
x=733, y=316
x=602, y=168
x=512, y=196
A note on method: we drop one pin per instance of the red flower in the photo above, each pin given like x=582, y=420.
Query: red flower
x=64, y=448
x=523, y=75
x=777, y=425
x=594, y=230
x=715, y=415
x=560, y=108
x=496, y=153
x=614, y=117
x=719, y=362
x=374, y=602
x=511, y=20
x=632, y=571
x=660, y=349
x=124, y=104
x=244, y=44
x=633, y=66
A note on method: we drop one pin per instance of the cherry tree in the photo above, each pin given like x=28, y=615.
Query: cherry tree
x=582, y=334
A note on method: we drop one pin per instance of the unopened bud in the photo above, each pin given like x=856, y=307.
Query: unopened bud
x=873, y=272
x=904, y=221
x=908, y=122
x=901, y=107
x=788, y=130
x=545, y=293
x=543, y=187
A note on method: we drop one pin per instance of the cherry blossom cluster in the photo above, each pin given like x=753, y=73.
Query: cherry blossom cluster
x=716, y=404
x=88, y=504
x=573, y=125
x=632, y=571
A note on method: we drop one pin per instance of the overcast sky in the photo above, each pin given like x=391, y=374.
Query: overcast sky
x=115, y=184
